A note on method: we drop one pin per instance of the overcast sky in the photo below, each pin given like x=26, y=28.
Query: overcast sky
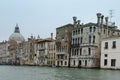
x=41, y=17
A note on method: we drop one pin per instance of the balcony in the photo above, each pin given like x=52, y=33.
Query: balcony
x=58, y=53
x=75, y=45
x=87, y=57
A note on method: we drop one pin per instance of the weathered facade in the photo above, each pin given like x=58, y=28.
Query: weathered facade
x=51, y=53
x=86, y=41
x=15, y=42
x=12, y=48
x=63, y=44
x=42, y=51
x=31, y=50
x=4, y=54
x=110, y=52
x=23, y=53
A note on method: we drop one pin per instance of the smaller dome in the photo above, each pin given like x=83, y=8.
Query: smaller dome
x=16, y=35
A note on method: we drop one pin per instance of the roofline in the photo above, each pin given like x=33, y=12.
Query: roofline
x=65, y=26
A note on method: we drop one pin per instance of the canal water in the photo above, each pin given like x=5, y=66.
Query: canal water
x=49, y=73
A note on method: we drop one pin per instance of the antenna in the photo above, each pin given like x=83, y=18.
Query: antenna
x=111, y=14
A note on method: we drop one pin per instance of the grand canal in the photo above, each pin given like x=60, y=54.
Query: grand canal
x=49, y=73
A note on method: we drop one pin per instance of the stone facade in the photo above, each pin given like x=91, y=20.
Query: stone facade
x=51, y=53
x=86, y=41
x=63, y=45
x=110, y=52
x=12, y=48
x=41, y=51
x=4, y=54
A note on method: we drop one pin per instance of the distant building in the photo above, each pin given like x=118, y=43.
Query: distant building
x=23, y=53
x=12, y=48
x=110, y=52
x=63, y=45
x=86, y=41
x=42, y=51
x=30, y=50
x=4, y=54
x=15, y=39
x=51, y=53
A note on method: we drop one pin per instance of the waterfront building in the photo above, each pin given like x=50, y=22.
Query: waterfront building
x=41, y=51
x=63, y=45
x=23, y=53
x=15, y=39
x=12, y=48
x=4, y=54
x=17, y=36
x=51, y=53
x=30, y=50
x=110, y=52
x=86, y=41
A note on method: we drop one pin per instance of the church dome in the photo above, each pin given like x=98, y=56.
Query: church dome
x=16, y=35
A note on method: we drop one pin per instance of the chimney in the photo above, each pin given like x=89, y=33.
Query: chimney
x=78, y=22
x=51, y=36
x=98, y=21
x=98, y=18
x=102, y=22
x=106, y=19
x=75, y=21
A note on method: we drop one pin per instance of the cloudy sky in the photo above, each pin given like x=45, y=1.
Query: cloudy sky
x=41, y=17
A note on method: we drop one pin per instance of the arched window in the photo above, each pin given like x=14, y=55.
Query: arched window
x=90, y=29
x=73, y=33
x=76, y=32
x=94, y=29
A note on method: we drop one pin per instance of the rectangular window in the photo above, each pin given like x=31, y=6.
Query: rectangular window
x=61, y=56
x=93, y=39
x=106, y=45
x=82, y=31
x=114, y=44
x=80, y=51
x=106, y=55
x=104, y=31
x=81, y=40
x=78, y=40
x=78, y=31
x=89, y=51
x=113, y=61
x=105, y=62
x=89, y=39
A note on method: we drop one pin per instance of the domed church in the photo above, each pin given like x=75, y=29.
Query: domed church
x=16, y=35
